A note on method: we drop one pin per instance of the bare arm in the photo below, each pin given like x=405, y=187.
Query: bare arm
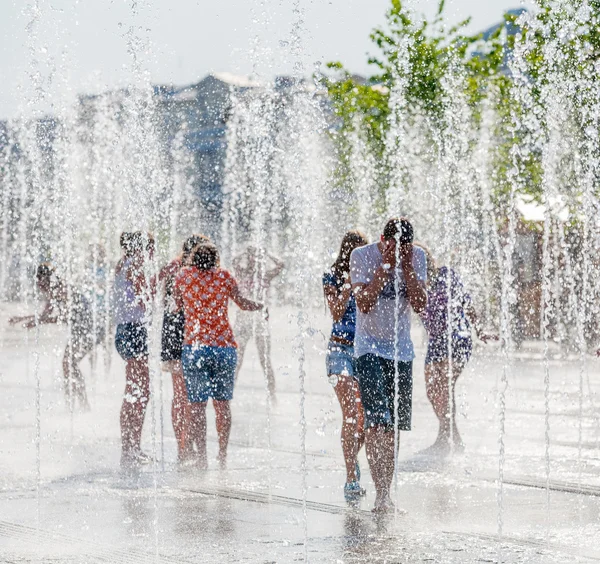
x=277, y=270
x=46, y=315
x=366, y=294
x=474, y=320
x=415, y=289
x=29, y=321
x=337, y=301
x=177, y=297
x=244, y=303
x=144, y=289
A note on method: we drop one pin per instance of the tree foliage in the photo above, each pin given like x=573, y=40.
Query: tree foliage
x=419, y=54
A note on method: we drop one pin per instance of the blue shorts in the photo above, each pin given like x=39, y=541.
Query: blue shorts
x=209, y=372
x=376, y=382
x=131, y=340
x=340, y=359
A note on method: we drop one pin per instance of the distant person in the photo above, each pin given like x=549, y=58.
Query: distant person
x=448, y=318
x=97, y=284
x=340, y=358
x=254, y=276
x=203, y=291
x=382, y=343
x=66, y=305
x=132, y=296
x=172, y=347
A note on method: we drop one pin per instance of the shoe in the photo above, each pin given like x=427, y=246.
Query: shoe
x=352, y=491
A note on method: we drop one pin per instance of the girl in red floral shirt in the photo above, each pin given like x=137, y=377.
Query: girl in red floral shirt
x=209, y=358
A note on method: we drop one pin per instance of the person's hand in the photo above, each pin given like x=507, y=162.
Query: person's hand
x=406, y=255
x=389, y=253
x=484, y=337
x=24, y=319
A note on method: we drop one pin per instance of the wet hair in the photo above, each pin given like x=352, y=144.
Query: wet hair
x=45, y=271
x=191, y=243
x=133, y=242
x=206, y=257
x=399, y=228
x=124, y=240
x=351, y=240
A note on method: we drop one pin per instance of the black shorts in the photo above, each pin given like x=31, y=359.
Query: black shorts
x=437, y=350
x=131, y=340
x=376, y=377
x=172, y=336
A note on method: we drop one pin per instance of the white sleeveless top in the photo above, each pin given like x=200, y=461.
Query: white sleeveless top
x=126, y=306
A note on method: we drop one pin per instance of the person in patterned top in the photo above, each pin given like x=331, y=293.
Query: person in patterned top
x=209, y=358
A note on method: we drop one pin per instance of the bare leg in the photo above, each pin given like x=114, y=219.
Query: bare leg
x=456, y=438
x=352, y=423
x=133, y=409
x=180, y=412
x=74, y=383
x=223, y=419
x=197, y=430
x=263, y=344
x=380, y=453
x=437, y=384
x=243, y=332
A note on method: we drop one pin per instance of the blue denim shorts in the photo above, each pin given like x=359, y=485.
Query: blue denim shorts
x=340, y=359
x=209, y=372
x=377, y=389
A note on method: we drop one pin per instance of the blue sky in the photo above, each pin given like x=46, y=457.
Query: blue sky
x=82, y=45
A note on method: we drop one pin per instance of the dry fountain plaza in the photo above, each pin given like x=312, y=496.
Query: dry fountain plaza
x=276, y=503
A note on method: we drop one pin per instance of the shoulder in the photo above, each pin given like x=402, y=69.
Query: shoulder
x=365, y=253
x=419, y=255
x=329, y=278
x=185, y=275
x=224, y=275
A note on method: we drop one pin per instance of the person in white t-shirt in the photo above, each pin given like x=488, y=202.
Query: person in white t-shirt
x=388, y=279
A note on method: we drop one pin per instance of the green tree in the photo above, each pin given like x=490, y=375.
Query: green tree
x=419, y=54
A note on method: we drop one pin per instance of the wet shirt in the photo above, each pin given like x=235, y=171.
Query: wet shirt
x=205, y=298
x=127, y=307
x=345, y=327
x=375, y=330
x=447, y=295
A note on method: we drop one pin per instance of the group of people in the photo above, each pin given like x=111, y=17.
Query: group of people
x=370, y=291
x=197, y=342
x=198, y=345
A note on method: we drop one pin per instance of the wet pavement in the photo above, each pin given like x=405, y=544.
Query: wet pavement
x=264, y=508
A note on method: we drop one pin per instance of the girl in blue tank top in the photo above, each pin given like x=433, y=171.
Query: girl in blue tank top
x=340, y=358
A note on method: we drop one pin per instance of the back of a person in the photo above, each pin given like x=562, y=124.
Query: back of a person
x=127, y=307
x=205, y=295
x=446, y=293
